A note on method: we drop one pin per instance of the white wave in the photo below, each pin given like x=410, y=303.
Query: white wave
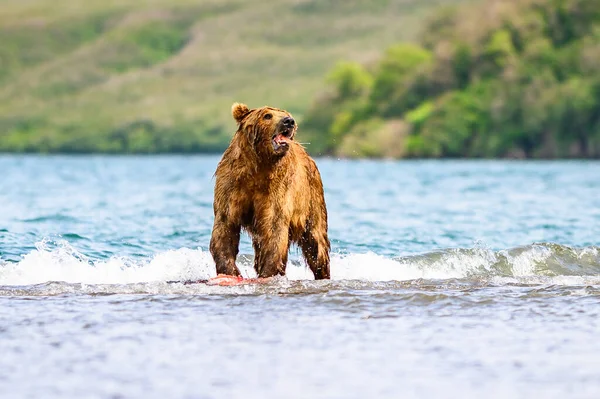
x=64, y=263
x=524, y=264
x=372, y=267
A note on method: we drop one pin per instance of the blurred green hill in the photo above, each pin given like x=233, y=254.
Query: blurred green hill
x=160, y=75
x=503, y=78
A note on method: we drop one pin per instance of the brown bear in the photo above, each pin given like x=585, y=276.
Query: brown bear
x=267, y=185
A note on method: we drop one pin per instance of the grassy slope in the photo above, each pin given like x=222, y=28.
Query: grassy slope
x=70, y=71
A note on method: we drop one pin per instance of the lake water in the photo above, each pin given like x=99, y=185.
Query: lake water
x=449, y=279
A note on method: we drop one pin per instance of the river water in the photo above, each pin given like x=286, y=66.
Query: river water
x=449, y=279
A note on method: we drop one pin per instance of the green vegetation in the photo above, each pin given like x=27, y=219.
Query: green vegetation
x=507, y=78
x=161, y=75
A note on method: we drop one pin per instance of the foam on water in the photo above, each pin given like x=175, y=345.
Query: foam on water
x=65, y=263
x=532, y=263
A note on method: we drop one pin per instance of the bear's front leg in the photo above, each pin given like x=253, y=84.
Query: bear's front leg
x=271, y=252
x=224, y=244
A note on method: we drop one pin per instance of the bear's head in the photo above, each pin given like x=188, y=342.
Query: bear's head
x=269, y=130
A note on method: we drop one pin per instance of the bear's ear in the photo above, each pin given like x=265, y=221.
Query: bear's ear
x=238, y=111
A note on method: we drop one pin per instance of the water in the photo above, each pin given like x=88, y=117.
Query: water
x=449, y=278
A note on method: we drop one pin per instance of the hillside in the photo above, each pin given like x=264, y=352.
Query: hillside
x=160, y=75
x=504, y=78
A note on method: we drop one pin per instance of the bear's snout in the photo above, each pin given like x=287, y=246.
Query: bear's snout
x=288, y=121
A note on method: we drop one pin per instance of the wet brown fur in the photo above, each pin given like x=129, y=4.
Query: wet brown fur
x=276, y=197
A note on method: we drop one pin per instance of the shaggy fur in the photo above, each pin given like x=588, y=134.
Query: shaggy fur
x=268, y=185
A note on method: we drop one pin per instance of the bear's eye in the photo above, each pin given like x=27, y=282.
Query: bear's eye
x=268, y=116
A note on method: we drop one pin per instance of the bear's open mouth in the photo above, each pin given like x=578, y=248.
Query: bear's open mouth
x=281, y=140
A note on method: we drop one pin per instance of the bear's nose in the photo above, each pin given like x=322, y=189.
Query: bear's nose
x=288, y=121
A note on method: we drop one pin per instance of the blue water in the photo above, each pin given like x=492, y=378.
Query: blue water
x=465, y=278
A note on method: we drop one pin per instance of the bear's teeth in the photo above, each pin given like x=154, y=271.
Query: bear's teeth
x=280, y=138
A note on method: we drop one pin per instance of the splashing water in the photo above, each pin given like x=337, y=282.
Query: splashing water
x=534, y=264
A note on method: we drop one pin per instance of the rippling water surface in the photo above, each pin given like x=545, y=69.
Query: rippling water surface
x=449, y=279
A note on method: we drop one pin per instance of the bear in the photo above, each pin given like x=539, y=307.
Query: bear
x=268, y=185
